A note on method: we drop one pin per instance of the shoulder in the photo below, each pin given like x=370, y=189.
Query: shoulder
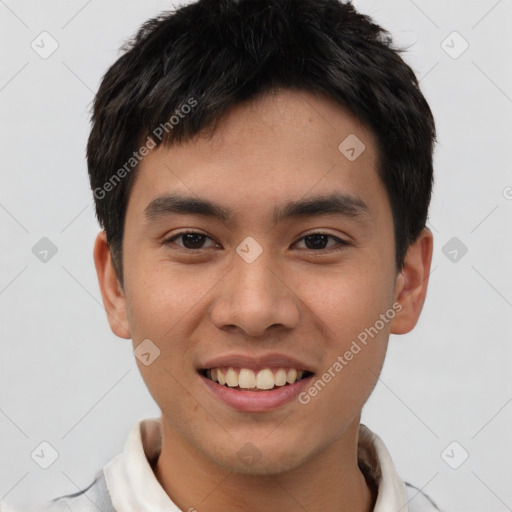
x=91, y=499
x=418, y=501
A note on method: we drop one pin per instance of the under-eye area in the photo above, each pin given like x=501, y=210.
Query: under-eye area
x=246, y=379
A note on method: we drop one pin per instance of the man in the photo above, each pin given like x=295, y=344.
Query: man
x=262, y=172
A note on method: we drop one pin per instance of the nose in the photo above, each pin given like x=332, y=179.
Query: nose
x=253, y=297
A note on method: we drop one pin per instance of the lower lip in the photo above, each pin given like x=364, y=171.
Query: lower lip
x=257, y=401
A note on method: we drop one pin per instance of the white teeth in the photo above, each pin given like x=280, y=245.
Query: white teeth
x=291, y=376
x=280, y=377
x=231, y=378
x=246, y=378
x=265, y=379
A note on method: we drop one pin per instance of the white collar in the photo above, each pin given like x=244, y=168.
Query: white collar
x=133, y=486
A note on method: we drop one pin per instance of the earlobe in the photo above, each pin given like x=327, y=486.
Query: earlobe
x=112, y=293
x=412, y=282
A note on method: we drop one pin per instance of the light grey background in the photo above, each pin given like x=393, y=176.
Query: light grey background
x=66, y=379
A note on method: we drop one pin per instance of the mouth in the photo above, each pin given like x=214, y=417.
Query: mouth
x=246, y=379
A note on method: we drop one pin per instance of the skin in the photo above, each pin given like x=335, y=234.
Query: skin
x=198, y=305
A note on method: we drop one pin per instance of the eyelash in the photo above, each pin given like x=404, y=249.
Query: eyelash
x=341, y=243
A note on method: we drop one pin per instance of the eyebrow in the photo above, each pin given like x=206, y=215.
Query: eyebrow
x=335, y=203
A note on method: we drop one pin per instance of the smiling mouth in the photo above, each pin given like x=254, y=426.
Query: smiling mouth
x=245, y=379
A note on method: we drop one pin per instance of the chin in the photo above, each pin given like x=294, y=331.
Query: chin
x=250, y=460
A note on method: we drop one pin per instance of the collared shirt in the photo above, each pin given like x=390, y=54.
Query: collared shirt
x=127, y=483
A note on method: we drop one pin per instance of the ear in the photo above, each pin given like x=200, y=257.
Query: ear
x=411, y=283
x=111, y=290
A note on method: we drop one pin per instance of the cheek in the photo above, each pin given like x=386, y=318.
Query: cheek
x=159, y=295
x=346, y=301
x=347, y=307
x=165, y=306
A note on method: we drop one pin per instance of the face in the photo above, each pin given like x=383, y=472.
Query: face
x=276, y=280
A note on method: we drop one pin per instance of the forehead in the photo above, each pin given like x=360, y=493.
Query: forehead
x=273, y=150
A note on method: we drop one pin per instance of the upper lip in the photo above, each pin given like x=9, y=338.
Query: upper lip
x=255, y=363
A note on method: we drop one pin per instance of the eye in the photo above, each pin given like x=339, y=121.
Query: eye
x=191, y=240
x=314, y=241
x=317, y=241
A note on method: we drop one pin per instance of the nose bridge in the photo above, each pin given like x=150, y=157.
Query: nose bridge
x=254, y=296
x=255, y=278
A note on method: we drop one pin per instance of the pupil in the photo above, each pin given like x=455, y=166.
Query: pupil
x=314, y=241
x=318, y=239
x=193, y=239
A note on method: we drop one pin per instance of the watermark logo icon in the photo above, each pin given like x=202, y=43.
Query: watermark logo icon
x=454, y=455
x=44, y=455
x=249, y=454
x=45, y=45
x=351, y=147
x=249, y=249
x=44, y=250
x=454, y=45
x=146, y=352
x=454, y=249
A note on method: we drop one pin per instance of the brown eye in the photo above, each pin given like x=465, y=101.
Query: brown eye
x=190, y=240
x=318, y=241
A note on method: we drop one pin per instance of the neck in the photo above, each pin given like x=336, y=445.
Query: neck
x=329, y=480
